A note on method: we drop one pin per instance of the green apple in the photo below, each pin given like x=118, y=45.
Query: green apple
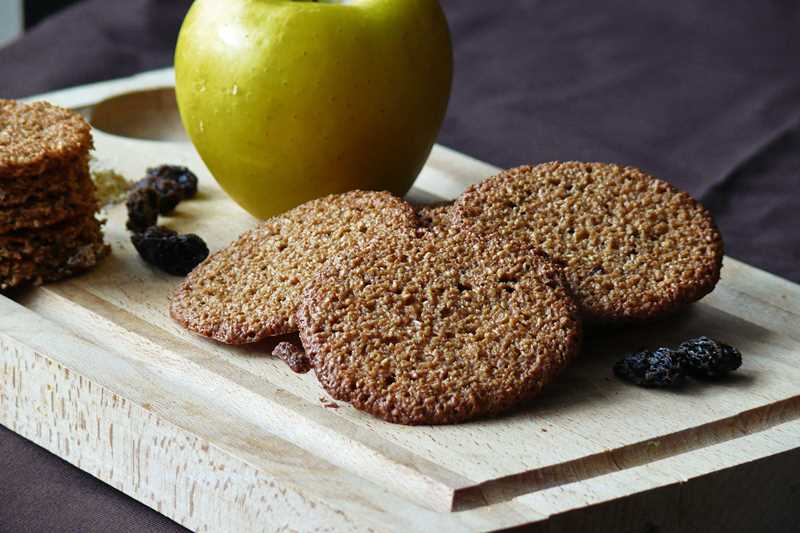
x=290, y=100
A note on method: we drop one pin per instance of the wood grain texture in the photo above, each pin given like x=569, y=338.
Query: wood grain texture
x=176, y=448
x=117, y=388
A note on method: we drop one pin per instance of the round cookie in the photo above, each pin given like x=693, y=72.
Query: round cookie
x=52, y=253
x=52, y=241
x=27, y=272
x=632, y=247
x=55, y=182
x=433, y=217
x=51, y=209
x=38, y=136
x=438, y=329
x=251, y=289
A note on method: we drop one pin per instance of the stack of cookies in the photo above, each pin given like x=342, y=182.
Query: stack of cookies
x=458, y=310
x=48, y=228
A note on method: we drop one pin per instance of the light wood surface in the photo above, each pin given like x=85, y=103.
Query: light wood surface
x=224, y=439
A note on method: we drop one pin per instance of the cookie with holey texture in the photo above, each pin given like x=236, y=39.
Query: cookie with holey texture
x=632, y=247
x=251, y=289
x=39, y=136
x=50, y=209
x=52, y=241
x=434, y=217
x=56, y=182
x=438, y=329
x=51, y=253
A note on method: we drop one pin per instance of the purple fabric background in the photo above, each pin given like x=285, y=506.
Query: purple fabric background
x=705, y=95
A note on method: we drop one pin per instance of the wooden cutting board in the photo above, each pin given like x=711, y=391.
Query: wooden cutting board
x=229, y=439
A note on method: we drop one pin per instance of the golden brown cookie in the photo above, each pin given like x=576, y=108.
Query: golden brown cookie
x=38, y=136
x=52, y=209
x=48, y=228
x=434, y=216
x=251, y=289
x=46, y=242
x=633, y=247
x=438, y=330
x=52, y=253
x=55, y=182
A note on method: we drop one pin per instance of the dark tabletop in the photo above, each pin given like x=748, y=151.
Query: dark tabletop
x=703, y=94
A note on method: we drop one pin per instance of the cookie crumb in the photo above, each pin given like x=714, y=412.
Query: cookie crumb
x=294, y=357
x=328, y=403
x=112, y=187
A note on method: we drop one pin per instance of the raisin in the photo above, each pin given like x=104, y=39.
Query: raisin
x=168, y=193
x=167, y=250
x=662, y=367
x=707, y=358
x=171, y=185
x=142, y=204
x=184, y=178
x=169, y=196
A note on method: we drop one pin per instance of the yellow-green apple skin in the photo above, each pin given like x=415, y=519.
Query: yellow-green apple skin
x=291, y=100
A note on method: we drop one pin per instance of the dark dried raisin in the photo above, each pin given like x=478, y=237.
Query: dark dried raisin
x=167, y=250
x=184, y=178
x=171, y=185
x=142, y=204
x=652, y=368
x=708, y=358
x=167, y=192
